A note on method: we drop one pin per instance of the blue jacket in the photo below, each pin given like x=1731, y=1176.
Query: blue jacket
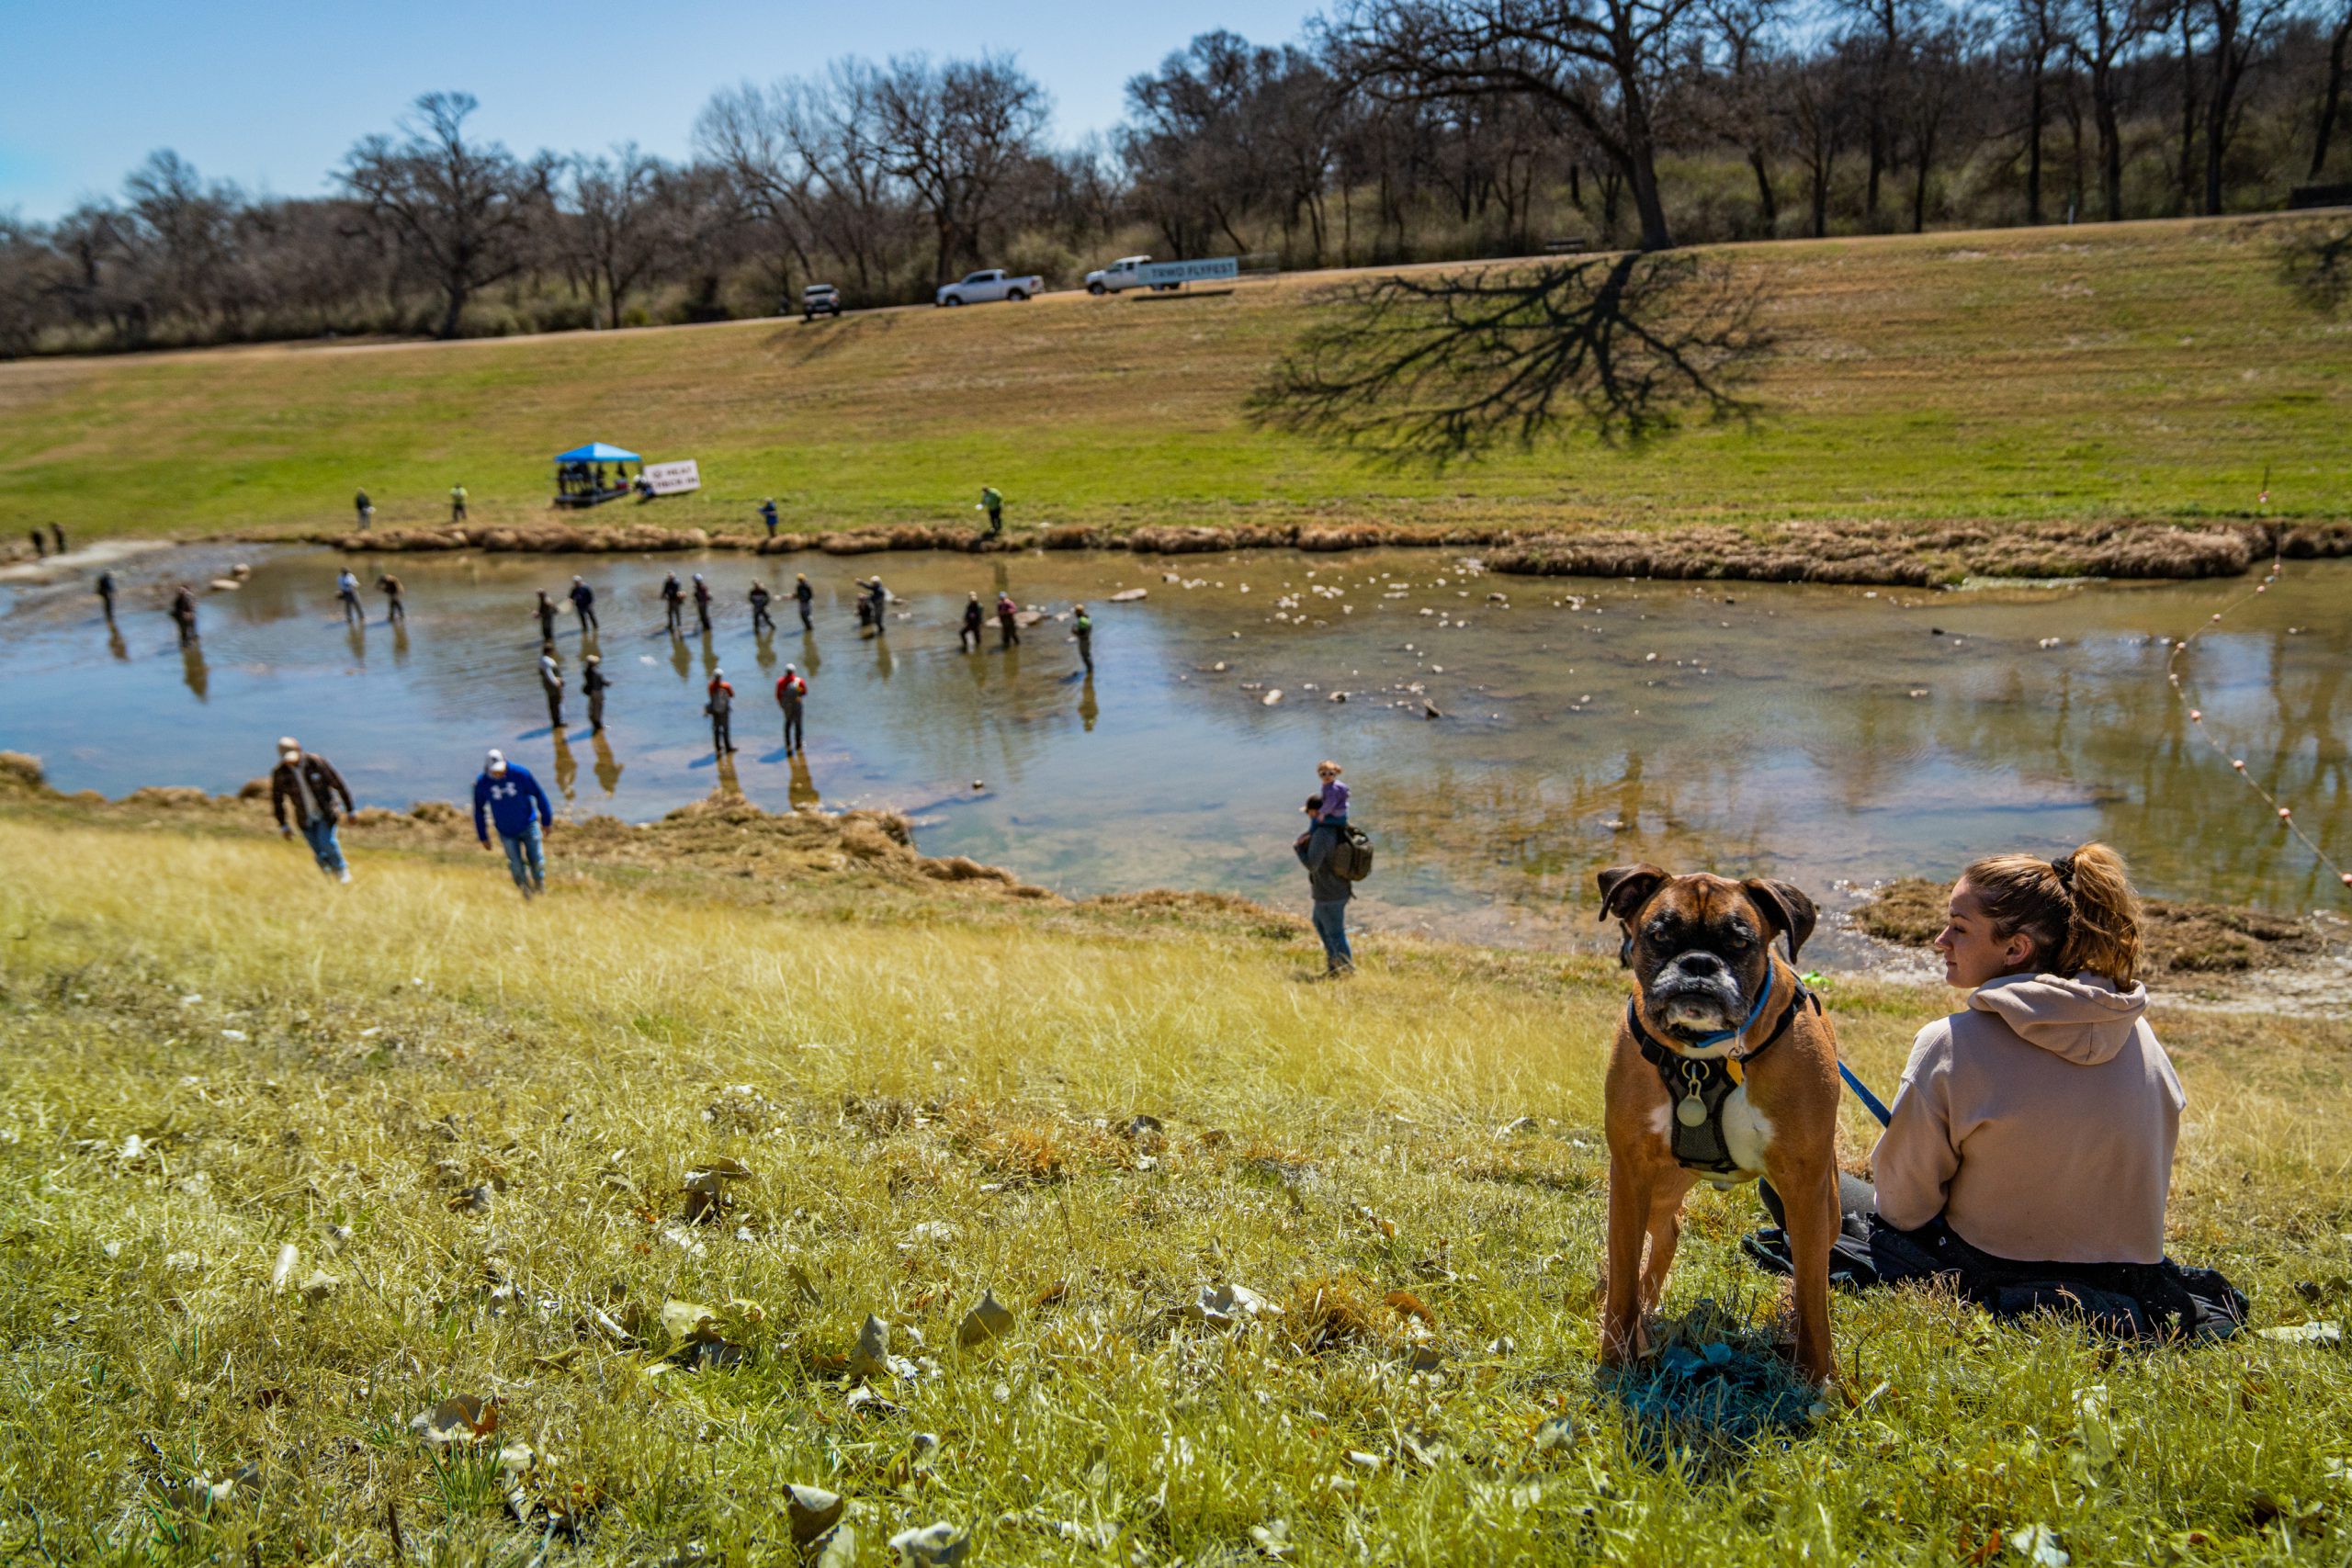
x=512, y=802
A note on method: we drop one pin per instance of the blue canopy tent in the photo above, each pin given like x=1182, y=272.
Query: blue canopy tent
x=580, y=478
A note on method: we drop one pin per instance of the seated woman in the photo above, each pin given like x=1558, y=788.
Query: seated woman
x=2030, y=1150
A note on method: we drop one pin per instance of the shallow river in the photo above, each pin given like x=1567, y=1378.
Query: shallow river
x=1827, y=735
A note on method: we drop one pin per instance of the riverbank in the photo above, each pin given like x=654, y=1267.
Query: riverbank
x=686, y=1197
x=1861, y=554
x=2077, y=376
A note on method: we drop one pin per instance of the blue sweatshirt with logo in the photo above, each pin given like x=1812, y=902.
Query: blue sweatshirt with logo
x=512, y=802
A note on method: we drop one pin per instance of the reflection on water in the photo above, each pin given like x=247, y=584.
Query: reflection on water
x=1817, y=733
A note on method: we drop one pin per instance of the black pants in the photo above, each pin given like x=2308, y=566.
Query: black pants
x=351, y=610
x=546, y=625
x=394, y=610
x=761, y=620
x=806, y=622
x=107, y=600
x=968, y=639
x=794, y=738
x=1012, y=635
x=187, y=630
x=587, y=619
x=677, y=619
x=996, y=521
x=554, y=706
x=1086, y=653
x=458, y=512
x=595, y=711
x=722, y=733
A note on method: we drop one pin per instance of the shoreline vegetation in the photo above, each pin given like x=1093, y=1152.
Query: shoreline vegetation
x=682, y=1214
x=1866, y=554
x=2221, y=953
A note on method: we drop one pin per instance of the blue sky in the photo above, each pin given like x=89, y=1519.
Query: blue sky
x=271, y=94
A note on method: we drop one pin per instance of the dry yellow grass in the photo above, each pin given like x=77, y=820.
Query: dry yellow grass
x=478, y=1118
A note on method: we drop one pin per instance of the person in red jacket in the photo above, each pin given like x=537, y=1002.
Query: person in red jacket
x=721, y=707
x=790, y=693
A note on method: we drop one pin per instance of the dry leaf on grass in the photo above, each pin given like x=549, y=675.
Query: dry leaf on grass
x=1227, y=1306
x=813, y=1511
x=872, y=1357
x=989, y=1319
x=460, y=1418
x=933, y=1546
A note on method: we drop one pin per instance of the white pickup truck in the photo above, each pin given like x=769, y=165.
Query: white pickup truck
x=995, y=283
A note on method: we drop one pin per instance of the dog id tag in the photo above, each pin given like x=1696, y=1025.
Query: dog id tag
x=1691, y=1110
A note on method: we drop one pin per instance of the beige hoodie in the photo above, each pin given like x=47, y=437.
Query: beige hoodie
x=2039, y=1123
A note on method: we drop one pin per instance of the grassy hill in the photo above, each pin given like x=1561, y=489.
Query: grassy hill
x=2148, y=369
x=461, y=1128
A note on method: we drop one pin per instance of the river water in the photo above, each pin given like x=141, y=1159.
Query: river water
x=1825, y=734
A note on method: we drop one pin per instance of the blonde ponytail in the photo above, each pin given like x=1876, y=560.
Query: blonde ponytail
x=2079, y=911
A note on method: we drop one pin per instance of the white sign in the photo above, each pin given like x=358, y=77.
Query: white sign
x=673, y=478
x=1159, y=275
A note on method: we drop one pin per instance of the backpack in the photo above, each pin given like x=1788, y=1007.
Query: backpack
x=1351, y=856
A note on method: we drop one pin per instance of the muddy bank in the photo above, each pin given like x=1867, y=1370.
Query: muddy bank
x=1877, y=554
x=2177, y=938
x=722, y=833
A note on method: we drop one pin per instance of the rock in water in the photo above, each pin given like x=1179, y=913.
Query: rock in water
x=1129, y=596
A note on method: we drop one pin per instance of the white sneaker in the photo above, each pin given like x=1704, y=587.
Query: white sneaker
x=345, y=877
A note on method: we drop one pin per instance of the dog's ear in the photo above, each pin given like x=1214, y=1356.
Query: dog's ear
x=1625, y=888
x=1788, y=907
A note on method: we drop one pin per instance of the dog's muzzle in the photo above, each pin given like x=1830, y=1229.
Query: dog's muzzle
x=1696, y=993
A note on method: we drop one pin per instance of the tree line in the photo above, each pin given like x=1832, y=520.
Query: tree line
x=1394, y=130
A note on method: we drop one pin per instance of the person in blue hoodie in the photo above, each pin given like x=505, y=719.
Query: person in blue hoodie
x=519, y=808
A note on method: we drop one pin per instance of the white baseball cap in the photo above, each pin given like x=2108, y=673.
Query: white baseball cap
x=495, y=761
x=287, y=743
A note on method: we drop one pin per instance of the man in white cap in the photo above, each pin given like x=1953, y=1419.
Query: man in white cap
x=310, y=785
x=513, y=801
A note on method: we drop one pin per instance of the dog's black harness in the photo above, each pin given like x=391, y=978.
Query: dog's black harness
x=1698, y=1138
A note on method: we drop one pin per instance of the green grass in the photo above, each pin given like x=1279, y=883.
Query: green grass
x=928, y=1096
x=2148, y=369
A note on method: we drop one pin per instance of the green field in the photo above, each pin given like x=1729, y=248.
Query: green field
x=2142, y=370
x=284, y=1166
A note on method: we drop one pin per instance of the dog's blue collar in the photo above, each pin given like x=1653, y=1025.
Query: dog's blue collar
x=1708, y=1042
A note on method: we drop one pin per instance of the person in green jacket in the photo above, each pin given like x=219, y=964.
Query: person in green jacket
x=1082, y=633
x=993, y=505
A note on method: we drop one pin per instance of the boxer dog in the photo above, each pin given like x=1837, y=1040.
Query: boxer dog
x=1725, y=1068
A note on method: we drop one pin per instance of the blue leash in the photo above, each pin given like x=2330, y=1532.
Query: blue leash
x=1870, y=1100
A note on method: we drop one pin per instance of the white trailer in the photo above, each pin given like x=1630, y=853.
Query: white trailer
x=1142, y=271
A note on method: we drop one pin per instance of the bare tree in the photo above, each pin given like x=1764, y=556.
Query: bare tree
x=1608, y=65
x=2241, y=30
x=2331, y=98
x=2103, y=35
x=621, y=222
x=959, y=135
x=460, y=207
